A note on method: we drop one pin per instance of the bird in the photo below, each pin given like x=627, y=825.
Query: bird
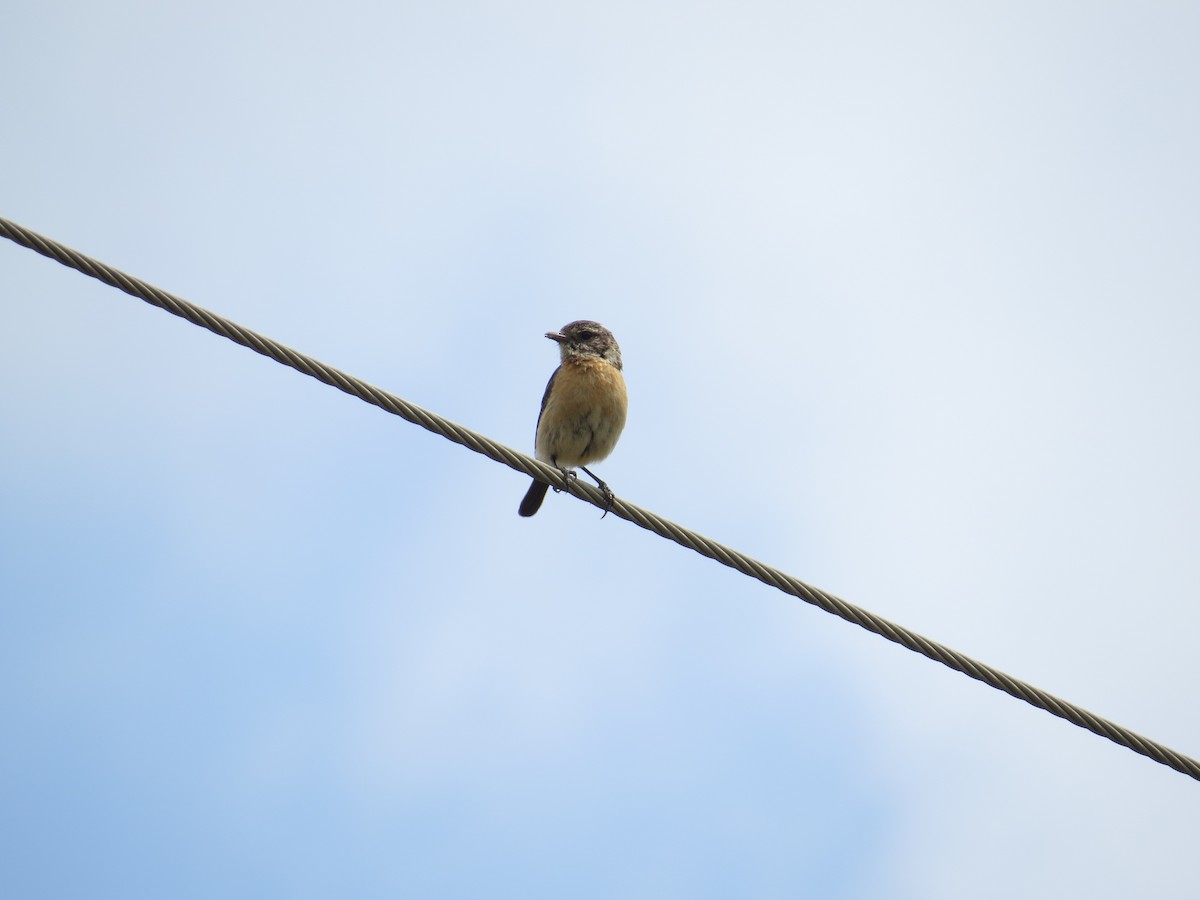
x=583, y=408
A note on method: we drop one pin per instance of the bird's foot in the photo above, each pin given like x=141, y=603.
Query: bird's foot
x=567, y=475
x=609, y=496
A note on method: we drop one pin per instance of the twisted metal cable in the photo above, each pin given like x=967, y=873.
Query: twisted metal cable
x=635, y=514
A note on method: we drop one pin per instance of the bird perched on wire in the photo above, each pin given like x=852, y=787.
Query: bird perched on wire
x=583, y=409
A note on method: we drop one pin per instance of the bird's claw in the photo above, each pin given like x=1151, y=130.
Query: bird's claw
x=567, y=475
x=609, y=498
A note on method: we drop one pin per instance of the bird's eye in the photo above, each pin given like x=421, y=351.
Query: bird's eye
x=586, y=335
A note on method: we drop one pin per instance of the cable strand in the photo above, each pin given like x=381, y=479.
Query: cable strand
x=643, y=518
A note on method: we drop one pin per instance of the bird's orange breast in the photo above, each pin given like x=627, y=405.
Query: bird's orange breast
x=584, y=414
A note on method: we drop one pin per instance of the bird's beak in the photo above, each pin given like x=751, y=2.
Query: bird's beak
x=557, y=337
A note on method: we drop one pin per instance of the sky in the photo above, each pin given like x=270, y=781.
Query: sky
x=907, y=297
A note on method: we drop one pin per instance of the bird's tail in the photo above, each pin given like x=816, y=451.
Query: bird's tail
x=533, y=498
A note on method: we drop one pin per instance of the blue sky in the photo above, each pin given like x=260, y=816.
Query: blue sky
x=907, y=299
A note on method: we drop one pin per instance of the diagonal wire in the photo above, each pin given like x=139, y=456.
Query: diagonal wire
x=642, y=517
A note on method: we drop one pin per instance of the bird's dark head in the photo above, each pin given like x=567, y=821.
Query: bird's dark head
x=586, y=339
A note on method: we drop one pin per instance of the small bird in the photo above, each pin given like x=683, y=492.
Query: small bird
x=583, y=409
